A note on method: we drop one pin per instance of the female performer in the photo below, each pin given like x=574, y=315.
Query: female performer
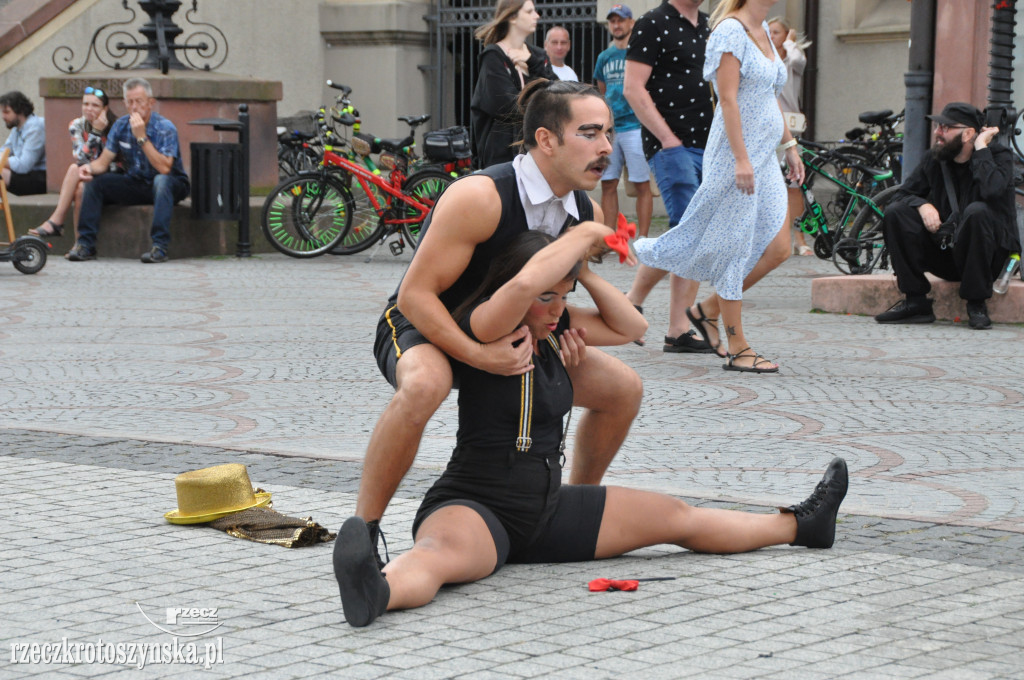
x=506, y=65
x=500, y=499
x=739, y=210
x=88, y=137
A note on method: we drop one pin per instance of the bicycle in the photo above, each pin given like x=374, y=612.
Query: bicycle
x=296, y=152
x=880, y=141
x=312, y=213
x=446, y=157
x=862, y=199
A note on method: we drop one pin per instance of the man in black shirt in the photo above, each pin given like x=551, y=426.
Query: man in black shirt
x=665, y=86
x=954, y=216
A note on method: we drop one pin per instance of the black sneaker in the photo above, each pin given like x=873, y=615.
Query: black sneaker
x=816, y=516
x=687, y=342
x=373, y=527
x=977, y=316
x=155, y=254
x=81, y=253
x=364, y=590
x=908, y=311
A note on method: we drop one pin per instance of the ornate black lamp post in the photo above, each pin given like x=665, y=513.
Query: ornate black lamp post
x=205, y=48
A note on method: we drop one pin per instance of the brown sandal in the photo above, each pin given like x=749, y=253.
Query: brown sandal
x=55, y=230
x=758, y=360
x=698, y=325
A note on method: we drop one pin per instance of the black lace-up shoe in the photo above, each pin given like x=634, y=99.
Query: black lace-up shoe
x=816, y=516
x=373, y=526
x=364, y=590
x=977, y=316
x=908, y=311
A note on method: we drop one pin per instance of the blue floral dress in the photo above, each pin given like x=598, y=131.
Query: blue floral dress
x=724, y=232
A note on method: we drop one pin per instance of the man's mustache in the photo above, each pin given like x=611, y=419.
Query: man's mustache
x=599, y=164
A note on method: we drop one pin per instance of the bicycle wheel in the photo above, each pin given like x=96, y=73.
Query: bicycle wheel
x=367, y=226
x=861, y=251
x=307, y=215
x=426, y=186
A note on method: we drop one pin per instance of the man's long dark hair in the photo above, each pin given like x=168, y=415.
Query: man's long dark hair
x=545, y=104
x=17, y=102
x=506, y=266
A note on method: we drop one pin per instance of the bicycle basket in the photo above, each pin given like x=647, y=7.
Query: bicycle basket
x=391, y=161
x=450, y=144
x=364, y=144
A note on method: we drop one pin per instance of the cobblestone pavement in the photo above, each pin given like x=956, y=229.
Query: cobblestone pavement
x=115, y=377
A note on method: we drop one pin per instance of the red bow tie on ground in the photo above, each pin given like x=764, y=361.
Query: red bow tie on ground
x=619, y=241
x=599, y=585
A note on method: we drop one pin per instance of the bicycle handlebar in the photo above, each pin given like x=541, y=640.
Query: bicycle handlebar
x=338, y=86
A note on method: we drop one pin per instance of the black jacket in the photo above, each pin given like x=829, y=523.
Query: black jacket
x=494, y=119
x=988, y=178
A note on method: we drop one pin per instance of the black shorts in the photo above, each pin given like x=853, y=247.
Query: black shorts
x=394, y=336
x=531, y=516
x=25, y=184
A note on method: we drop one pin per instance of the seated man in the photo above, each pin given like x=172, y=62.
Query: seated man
x=954, y=217
x=153, y=174
x=25, y=172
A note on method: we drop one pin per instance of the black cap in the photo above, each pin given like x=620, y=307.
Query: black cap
x=959, y=113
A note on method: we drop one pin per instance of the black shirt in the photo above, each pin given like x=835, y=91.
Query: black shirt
x=674, y=49
x=987, y=177
x=495, y=410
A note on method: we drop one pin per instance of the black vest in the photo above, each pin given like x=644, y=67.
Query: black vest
x=512, y=223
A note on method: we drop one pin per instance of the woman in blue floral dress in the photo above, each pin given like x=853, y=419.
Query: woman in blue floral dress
x=740, y=206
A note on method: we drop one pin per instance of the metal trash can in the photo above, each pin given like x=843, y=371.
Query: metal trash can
x=220, y=177
x=216, y=171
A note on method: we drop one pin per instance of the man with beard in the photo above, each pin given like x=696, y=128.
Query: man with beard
x=627, y=149
x=25, y=170
x=953, y=217
x=566, y=129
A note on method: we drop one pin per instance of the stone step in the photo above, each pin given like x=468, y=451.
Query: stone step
x=872, y=294
x=124, y=229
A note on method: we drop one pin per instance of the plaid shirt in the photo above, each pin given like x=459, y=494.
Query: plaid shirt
x=162, y=134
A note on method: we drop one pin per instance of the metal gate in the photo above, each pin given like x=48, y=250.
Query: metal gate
x=454, y=50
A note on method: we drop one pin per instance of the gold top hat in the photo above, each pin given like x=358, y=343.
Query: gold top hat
x=209, y=494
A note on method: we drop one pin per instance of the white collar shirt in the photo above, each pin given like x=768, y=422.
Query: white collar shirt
x=544, y=211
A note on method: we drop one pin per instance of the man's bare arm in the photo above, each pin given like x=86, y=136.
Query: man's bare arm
x=634, y=88
x=467, y=215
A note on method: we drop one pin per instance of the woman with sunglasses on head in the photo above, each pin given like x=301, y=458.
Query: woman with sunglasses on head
x=88, y=137
x=501, y=499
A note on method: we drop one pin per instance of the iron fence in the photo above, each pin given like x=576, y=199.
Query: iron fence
x=455, y=52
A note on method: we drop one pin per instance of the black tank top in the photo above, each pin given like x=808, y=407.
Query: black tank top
x=511, y=223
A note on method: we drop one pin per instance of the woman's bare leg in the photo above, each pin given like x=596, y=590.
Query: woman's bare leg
x=67, y=193
x=453, y=545
x=794, y=208
x=79, y=190
x=636, y=519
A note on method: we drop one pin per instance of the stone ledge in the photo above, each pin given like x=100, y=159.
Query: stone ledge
x=124, y=229
x=872, y=294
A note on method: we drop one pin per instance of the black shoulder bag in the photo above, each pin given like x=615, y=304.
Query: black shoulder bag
x=948, y=231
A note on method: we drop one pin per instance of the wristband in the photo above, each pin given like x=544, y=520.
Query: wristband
x=786, y=145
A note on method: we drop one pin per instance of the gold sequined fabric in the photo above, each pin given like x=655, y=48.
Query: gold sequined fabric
x=265, y=525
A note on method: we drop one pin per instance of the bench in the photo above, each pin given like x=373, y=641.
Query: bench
x=872, y=294
x=124, y=229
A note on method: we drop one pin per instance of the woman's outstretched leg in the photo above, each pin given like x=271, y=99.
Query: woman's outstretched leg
x=635, y=519
x=453, y=545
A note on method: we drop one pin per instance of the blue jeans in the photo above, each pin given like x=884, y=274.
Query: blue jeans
x=678, y=172
x=113, y=187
